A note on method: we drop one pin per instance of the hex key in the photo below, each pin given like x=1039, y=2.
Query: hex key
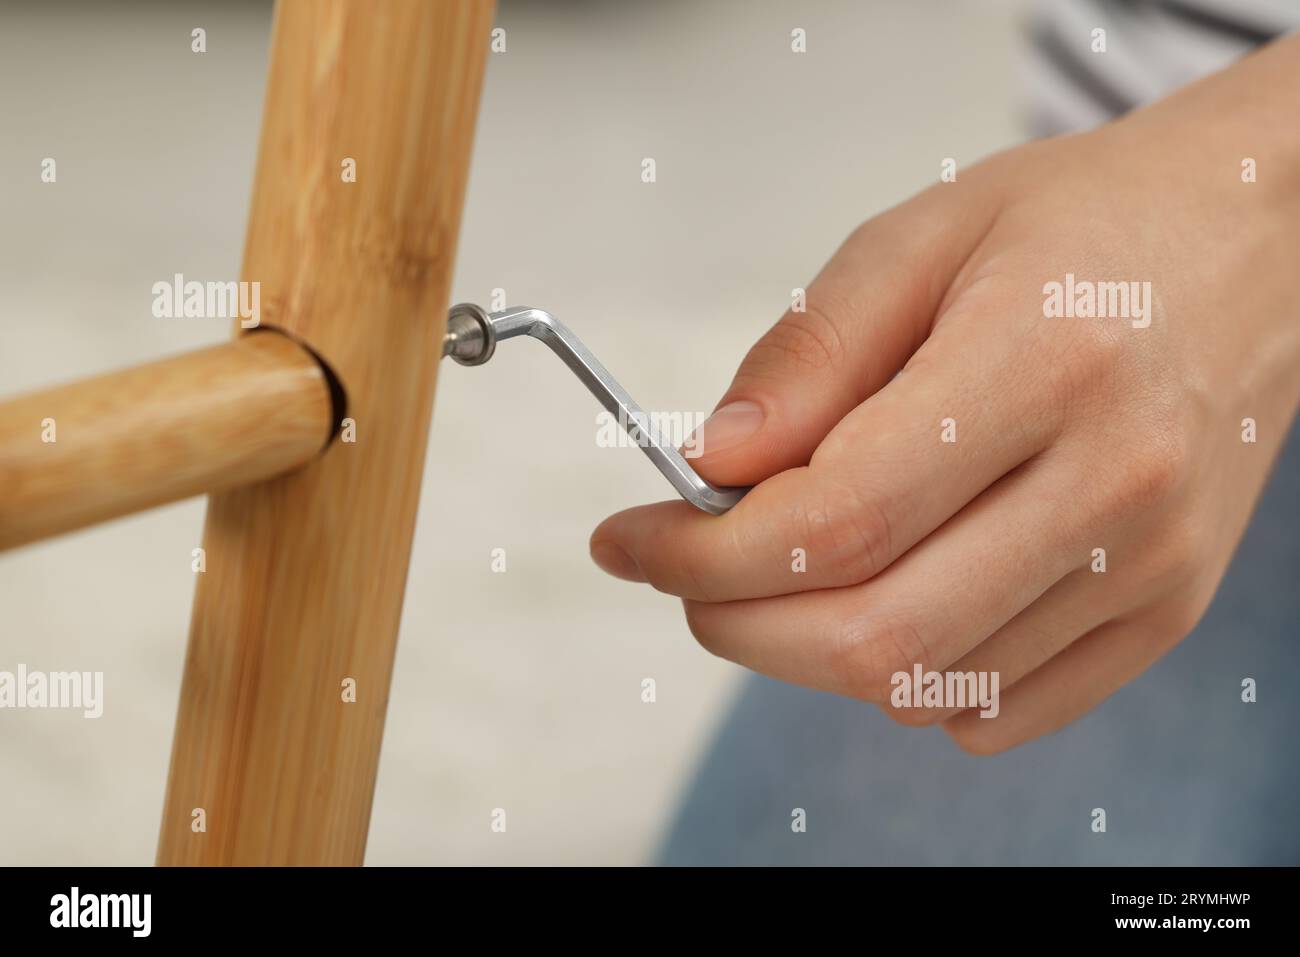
x=471, y=339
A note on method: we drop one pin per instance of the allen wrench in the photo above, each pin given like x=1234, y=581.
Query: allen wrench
x=471, y=339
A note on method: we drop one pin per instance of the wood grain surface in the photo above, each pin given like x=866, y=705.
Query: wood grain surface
x=306, y=572
x=209, y=420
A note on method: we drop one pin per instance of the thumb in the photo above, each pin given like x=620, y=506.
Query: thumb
x=865, y=314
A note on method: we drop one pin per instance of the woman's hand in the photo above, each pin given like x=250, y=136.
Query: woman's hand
x=954, y=516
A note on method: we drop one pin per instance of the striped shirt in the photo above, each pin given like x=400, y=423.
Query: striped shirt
x=1151, y=48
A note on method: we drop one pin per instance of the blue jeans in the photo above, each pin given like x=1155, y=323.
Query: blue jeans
x=1186, y=771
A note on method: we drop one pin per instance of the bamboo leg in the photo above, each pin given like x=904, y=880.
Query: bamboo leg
x=306, y=572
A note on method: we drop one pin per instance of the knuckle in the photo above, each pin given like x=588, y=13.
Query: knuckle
x=1066, y=381
x=1154, y=480
x=848, y=532
x=871, y=651
x=809, y=339
x=1076, y=368
x=1146, y=481
x=1092, y=357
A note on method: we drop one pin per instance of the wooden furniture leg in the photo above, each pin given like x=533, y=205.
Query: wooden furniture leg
x=305, y=572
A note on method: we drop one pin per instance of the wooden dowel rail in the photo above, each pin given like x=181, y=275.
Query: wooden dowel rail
x=201, y=422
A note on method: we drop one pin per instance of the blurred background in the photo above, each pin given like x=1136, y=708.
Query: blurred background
x=519, y=690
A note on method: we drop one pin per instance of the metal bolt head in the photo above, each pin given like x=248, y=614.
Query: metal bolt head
x=470, y=339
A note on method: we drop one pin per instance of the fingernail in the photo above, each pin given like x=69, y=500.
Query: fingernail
x=616, y=562
x=729, y=426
